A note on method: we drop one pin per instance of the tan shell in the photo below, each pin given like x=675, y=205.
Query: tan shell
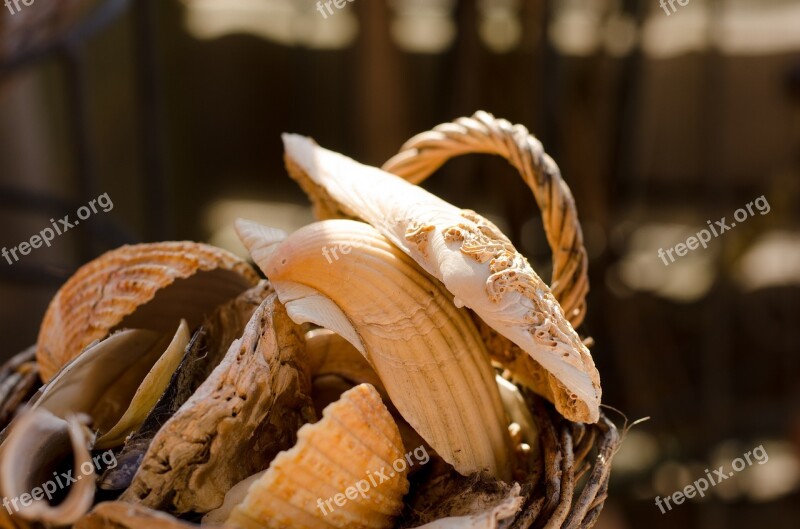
x=245, y=413
x=427, y=353
x=111, y=292
x=355, y=439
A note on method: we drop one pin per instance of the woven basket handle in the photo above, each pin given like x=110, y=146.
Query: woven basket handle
x=423, y=154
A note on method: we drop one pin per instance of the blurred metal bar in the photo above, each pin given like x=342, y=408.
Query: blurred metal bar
x=68, y=50
x=85, y=29
x=158, y=224
x=78, y=108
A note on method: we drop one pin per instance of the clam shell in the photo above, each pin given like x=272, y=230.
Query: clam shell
x=150, y=286
x=152, y=387
x=355, y=440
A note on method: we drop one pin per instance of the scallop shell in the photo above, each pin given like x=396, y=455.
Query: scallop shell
x=150, y=286
x=355, y=442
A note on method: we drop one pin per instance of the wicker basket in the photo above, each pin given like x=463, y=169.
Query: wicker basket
x=568, y=485
x=556, y=499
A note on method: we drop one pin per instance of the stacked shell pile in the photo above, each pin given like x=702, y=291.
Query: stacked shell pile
x=181, y=388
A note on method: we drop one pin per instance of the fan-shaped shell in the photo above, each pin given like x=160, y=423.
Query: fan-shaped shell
x=310, y=485
x=150, y=286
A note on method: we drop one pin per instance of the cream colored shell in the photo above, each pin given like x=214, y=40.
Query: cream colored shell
x=427, y=353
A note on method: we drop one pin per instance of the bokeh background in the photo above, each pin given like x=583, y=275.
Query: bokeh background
x=659, y=122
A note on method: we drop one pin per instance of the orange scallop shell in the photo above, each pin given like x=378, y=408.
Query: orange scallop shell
x=356, y=446
x=111, y=292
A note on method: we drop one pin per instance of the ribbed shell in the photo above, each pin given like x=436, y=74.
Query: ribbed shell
x=112, y=287
x=355, y=439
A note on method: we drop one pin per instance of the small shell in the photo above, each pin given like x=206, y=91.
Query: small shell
x=38, y=441
x=112, y=291
x=330, y=354
x=355, y=442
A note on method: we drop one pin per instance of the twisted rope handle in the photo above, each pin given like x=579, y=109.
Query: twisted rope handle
x=423, y=154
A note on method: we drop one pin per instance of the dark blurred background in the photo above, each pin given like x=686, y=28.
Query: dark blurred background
x=660, y=122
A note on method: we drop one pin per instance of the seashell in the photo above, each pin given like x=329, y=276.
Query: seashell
x=113, y=385
x=37, y=443
x=331, y=355
x=205, y=350
x=476, y=262
x=253, y=403
x=337, y=366
x=149, y=391
x=355, y=438
x=147, y=286
x=115, y=381
x=427, y=353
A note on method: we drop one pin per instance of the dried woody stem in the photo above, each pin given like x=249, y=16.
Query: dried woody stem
x=566, y=447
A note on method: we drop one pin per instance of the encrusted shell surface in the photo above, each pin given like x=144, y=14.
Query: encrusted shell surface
x=355, y=442
x=149, y=286
x=245, y=413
